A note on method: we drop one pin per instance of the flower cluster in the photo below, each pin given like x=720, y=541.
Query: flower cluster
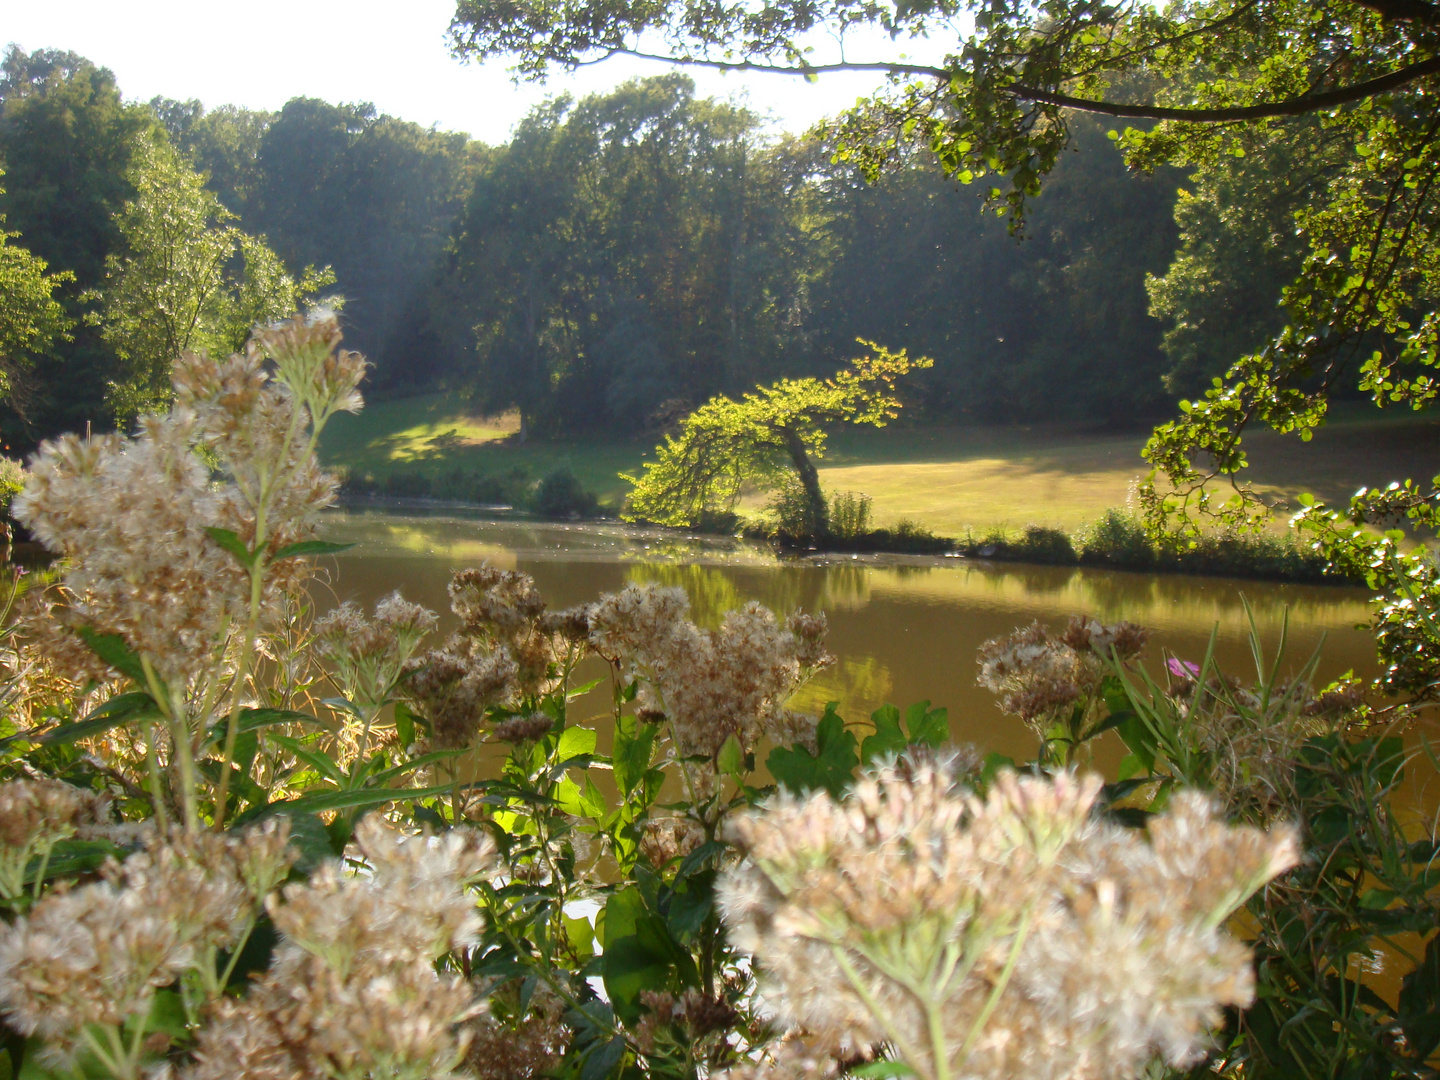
x=509, y=646
x=136, y=517
x=530, y=1047
x=1041, y=677
x=1009, y=935
x=710, y=684
x=95, y=955
x=368, y=656
x=34, y=816
x=352, y=990
x=130, y=515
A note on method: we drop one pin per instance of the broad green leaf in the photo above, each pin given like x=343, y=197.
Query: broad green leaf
x=927, y=726
x=580, y=934
x=72, y=857
x=348, y=800
x=731, y=761
x=888, y=738
x=831, y=767
x=575, y=742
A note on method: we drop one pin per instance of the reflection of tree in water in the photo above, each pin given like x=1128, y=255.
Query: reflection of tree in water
x=860, y=684
x=846, y=587
x=712, y=592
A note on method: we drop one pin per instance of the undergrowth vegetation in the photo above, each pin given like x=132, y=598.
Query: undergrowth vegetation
x=240, y=839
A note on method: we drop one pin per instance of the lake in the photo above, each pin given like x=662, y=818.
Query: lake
x=903, y=629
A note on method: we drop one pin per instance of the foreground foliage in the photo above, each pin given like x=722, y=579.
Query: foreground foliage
x=238, y=840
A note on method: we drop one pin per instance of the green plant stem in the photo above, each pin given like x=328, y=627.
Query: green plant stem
x=978, y=1027
x=157, y=791
x=881, y=1015
x=40, y=873
x=114, y=1067
x=180, y=736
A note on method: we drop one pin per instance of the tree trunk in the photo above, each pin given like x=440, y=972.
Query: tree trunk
x=810, y=481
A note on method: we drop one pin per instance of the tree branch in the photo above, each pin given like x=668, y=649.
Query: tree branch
x=1329, y=99
x=1299, y=106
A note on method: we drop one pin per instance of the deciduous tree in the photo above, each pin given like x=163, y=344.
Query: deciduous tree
x=774, y=432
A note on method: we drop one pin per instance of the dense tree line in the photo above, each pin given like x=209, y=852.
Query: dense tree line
x=621, y=259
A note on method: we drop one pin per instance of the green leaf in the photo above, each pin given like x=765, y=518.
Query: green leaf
x=122, y=709
x=634, y=746
x=404, y=725
x=70, y=858
x=927, y=726
x=832, y=767
x=308, y=836
x=575, y=742
x=113, y=649
x=309, y=547
x=232, y=543
x=255, y=719
x=640, y=954
x=602, y=1060
x=347, y=800
x=582, y=690
x=318, y=761
x=1420, y=1003
x=1139, y=739
x=882, y=1070
x=731, y=760
x=888, y=738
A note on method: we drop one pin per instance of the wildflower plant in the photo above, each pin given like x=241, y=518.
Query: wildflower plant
x=237, y=840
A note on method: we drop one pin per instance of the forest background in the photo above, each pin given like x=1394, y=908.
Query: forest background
x=623, y=258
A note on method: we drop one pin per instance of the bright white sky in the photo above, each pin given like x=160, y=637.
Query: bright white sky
x=261, y=53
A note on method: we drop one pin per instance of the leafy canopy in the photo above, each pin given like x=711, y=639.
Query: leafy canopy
x=189, y=280
x=725, y=444
x=1349, y=90
x=31, y=319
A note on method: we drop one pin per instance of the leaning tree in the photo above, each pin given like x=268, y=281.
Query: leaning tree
x=769, y=436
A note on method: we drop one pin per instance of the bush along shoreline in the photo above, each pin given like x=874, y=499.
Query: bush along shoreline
x=559, y=494
x=1117, y=541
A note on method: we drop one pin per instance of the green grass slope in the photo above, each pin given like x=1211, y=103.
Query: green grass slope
x=948, y=479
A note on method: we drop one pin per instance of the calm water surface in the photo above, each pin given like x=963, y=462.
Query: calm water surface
x=903, y=629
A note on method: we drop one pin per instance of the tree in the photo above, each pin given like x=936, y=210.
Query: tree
x=778, y=430
x=67, y=144
x=189, y=281
x=32, y=321
x=1216, y=78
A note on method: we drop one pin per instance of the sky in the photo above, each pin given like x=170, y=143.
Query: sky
x=261, y=53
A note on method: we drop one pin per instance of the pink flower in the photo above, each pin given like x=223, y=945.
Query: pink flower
x=1182, y=669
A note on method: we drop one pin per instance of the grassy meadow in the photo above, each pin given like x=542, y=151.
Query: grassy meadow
x=948, y=479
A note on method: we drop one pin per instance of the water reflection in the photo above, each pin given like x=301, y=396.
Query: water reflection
x=903, y=629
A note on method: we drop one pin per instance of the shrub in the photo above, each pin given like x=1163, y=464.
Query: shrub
x=1117, y=539
x=1039, y=544
x=238, y=842
x=408, y=485
x=561, y=494
x=795, y=517
x=849, y=514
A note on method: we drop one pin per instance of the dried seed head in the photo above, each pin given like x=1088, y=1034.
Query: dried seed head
x=523, y=729
x=1100, y=950
x=710, y=684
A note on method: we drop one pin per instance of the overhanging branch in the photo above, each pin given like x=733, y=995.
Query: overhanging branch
x=1299, y=106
